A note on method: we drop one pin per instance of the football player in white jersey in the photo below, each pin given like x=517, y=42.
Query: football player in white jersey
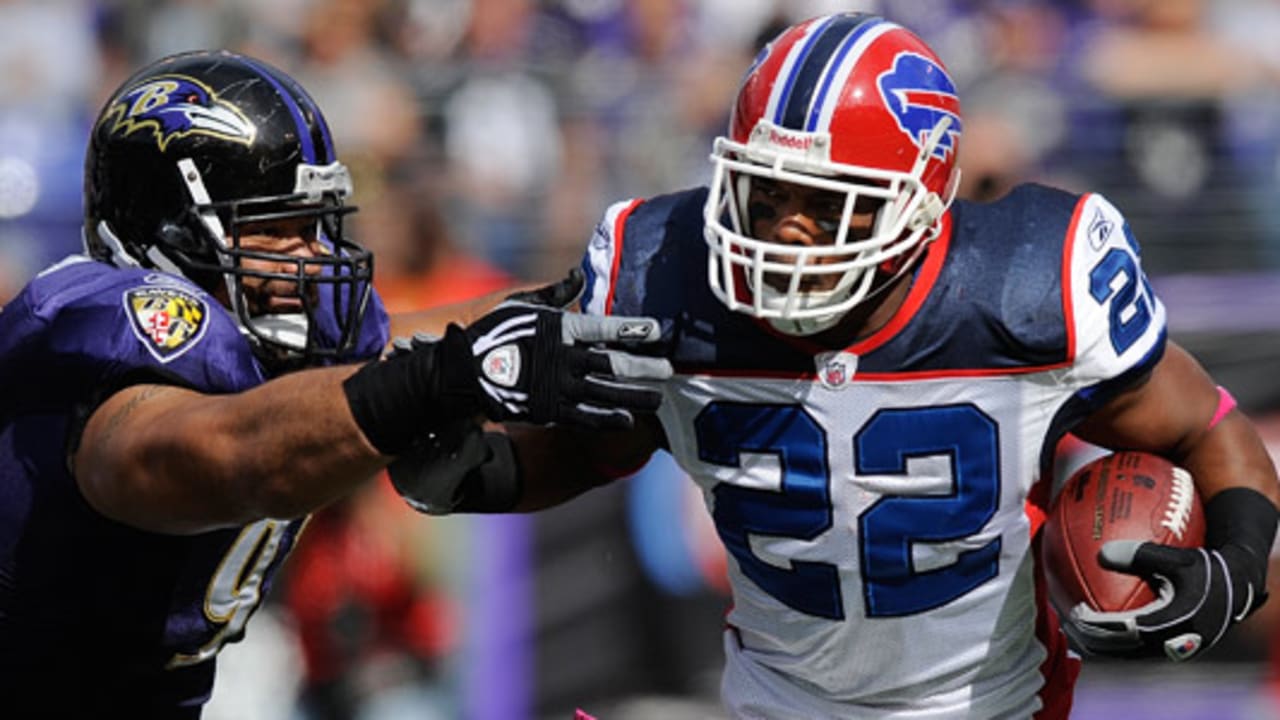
x=871, y=379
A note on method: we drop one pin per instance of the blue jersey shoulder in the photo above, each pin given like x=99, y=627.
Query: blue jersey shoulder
x=997, y=301
x=662, y=273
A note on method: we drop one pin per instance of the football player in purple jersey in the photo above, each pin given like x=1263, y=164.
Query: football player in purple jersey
x=174, y=401
x=870, y=381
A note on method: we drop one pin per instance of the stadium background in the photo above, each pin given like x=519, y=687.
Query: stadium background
x=487, y=136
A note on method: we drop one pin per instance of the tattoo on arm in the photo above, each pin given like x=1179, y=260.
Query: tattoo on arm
x=119, y=416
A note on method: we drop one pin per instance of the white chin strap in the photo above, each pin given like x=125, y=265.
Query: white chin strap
x=808, y=325
x=286, y=330
x=804, y=326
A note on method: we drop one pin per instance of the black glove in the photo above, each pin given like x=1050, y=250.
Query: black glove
x=521, y=362
x=1201, y=591
x=462, y=469
x=535, y=364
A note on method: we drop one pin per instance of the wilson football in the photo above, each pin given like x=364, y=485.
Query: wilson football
x=1121, y=496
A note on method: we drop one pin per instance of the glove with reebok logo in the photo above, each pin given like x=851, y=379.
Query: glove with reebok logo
x=535, y=364
x=520, y=362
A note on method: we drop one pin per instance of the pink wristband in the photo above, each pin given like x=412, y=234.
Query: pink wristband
x=1226, y=404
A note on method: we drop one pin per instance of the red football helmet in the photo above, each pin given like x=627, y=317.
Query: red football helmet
x=849, y=103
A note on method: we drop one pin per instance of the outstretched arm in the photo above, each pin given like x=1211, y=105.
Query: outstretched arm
x=524, y=468
x=172, y=460
x=519, y=467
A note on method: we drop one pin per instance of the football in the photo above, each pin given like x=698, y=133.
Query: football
x=1121, y=496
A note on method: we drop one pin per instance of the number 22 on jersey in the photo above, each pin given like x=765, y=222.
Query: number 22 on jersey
x=801, y=507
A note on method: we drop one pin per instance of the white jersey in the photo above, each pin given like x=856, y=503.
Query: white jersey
x=878, y=503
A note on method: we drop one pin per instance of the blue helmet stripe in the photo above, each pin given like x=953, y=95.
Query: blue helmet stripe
x=299, y=120
x=785, y=97
x=809, y=67
x=833, y=69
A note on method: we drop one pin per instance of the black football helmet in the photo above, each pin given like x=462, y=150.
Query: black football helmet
x=192, y=148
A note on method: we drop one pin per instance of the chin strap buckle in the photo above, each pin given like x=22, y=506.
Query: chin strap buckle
x=931, y=208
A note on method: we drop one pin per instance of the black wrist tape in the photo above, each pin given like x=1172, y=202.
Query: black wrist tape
x=400, y=399
x=1243, y=517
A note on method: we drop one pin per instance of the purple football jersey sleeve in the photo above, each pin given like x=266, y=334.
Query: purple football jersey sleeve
x=162, y=606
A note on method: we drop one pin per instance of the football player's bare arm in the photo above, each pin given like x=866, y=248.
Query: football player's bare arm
x=172, y=460
x=558, y=464
x=1171, y=414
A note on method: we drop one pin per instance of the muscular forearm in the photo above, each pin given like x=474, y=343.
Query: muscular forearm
x=1173, y=414
x=293, y=461
x=171, y=460
x=1231, y=455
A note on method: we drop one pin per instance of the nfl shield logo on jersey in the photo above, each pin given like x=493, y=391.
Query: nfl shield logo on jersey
x=168, y=320
x=836, y=369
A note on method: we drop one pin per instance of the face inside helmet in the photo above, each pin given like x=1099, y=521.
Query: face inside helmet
x=220, y=168
x=866, y=224
x=851, y=123
x=296, y=285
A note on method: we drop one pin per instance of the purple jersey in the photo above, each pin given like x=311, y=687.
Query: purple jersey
x=95, y=614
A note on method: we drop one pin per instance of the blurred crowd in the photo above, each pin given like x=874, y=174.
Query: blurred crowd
x=487, y=136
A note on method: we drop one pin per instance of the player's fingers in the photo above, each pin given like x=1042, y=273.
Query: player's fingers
x=620, y=365
x=636, y=367
x=1104, y=633
x=1148, y=558
x=1122, y=621
x=576, y=327
x=1119, y=554
x=401, y=344
x=596, y=418
x=607, y=393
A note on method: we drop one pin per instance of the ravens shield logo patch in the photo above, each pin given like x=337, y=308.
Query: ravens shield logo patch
x=168, y=320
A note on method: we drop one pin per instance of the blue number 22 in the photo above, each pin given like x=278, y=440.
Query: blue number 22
x=801, y=507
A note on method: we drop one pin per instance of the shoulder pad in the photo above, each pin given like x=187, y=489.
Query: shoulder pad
x=1118, y=324
x=85, y=324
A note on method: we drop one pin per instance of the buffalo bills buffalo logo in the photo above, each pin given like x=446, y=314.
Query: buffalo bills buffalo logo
x=919, y=94
x=175, y=106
